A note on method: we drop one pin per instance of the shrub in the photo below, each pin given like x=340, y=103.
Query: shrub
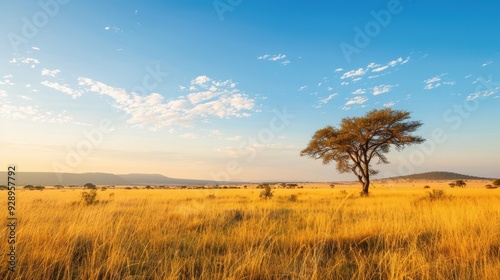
x=491, y=187
x=427, y=187
x=496, y=182
x=437, y=194
x=293, y=198
x=90, y=197
x=266, y=193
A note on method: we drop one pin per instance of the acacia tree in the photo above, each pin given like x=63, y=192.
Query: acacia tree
x=360, y=140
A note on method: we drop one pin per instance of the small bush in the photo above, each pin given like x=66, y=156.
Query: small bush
x=211, y=196
x=266, y=193
x=437, y=194
x=343, y=192
x=491, y=187
x=293, y=198
x=89, y=198
x=496, y=182
x=427, y=187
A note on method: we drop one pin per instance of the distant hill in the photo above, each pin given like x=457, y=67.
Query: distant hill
x=50, y=179
x=439, y=175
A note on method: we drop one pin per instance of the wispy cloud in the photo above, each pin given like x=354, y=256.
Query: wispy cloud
x=277, y=57
x=356, y=100
x=303, y=88
x=359, y=91
x=52, y=73
x=208, y=98
x=487, y=63
x=382, y=89
x=353, y=73
x=436, y=82
x=326, y=100
x=6, y=80
x=62, y=88
x=389, y=104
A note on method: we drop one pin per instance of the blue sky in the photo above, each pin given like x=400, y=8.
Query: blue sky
x=233, y=90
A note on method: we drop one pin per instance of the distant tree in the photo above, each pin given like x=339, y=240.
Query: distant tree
x=89, y=186
x=360, y=140
x=59, y=186
x=29, y=187
x=496, y=182
x=452, y=184
x=460, y=183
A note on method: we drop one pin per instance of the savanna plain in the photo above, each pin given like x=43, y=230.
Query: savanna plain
x=401, y=231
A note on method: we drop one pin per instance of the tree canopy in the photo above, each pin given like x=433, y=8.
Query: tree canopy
x=359, y=140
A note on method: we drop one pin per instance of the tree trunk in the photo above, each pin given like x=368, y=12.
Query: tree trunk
x=366, y=185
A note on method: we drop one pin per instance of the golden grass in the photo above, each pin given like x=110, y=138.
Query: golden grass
x=396, y=233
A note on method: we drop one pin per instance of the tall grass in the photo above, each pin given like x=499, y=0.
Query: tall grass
x=233, y=234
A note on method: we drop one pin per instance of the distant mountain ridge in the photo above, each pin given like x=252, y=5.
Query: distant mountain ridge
x=439, y=175
x=50, y=179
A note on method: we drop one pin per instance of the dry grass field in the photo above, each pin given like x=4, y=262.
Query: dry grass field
x=318, y=232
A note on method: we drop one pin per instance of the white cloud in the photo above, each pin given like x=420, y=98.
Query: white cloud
x=26, y=97
x=6, y=80
x=276, y=58
x=338, y=70
x=113, y=28
x=208, y=99
x=353, y=73
x=356, y=100
x=392, y=63
x=29, y=60
x=382, y=89
x=487, y=63
x=382, y=68
x=389, y=104
x=482, y=94
x=200, y=80
x=359, y=91
x=52, y=73
x=372, y=65
x=35, y=48
x=302, y=88
x=62, y=88
x=34, y=113
x=327, y=99
x=436, y=82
